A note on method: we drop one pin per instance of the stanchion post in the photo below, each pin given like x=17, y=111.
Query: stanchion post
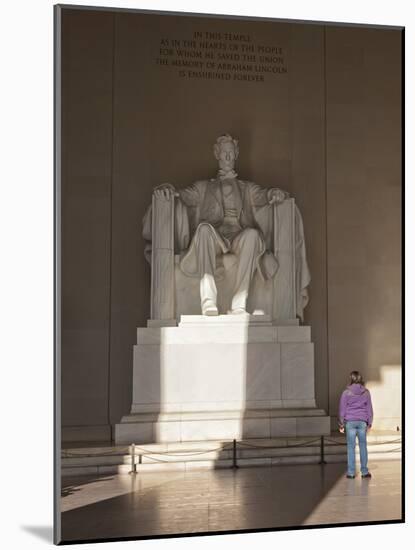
x=133, y=465
x=322, y=461
x=234, y=464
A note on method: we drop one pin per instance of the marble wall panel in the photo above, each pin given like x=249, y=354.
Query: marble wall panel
x=363, y=206
x=87, y=51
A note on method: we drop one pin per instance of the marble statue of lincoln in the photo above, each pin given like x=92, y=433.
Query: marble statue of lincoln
x=220, y=216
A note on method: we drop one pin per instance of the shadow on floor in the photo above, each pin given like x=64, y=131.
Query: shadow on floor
x=78, y=482
x=204, y=501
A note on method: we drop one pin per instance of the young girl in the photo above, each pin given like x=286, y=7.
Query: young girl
x=356, y=414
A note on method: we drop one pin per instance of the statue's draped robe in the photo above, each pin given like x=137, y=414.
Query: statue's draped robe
x=202, y=202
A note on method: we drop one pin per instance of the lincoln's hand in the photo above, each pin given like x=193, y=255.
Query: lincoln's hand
x=165, y=191
x=277, y=196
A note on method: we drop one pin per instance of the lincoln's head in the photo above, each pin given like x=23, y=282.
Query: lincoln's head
x=226, y=152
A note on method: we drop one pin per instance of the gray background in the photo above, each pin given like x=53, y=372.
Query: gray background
x=328, y=132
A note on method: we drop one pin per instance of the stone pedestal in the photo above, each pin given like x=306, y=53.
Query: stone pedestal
x=225, y=377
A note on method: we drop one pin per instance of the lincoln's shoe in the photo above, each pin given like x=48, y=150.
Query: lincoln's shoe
x=350, y=477
x=209, y=308
x=367, y=476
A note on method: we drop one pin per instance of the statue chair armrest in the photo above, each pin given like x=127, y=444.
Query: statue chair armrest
x=162, y=259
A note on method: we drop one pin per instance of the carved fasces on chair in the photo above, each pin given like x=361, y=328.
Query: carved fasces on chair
x=284, y=287
x=162, y=259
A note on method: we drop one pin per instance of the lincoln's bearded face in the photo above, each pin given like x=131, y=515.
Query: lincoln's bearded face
x=226, y=152
x=227, y=157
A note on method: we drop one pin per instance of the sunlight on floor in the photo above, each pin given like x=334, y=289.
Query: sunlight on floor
x=220, y=500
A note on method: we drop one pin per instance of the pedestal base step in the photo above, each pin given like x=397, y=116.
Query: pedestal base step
x=202, y=455
x=203, y=426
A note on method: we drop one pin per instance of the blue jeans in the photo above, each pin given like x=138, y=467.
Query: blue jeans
x=356, y=428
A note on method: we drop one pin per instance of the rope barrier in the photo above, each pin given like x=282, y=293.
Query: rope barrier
x=120, y=452
x=234, y=445
x=69, y=454
x=189, y=453
x=333, y=442
x=305, y=444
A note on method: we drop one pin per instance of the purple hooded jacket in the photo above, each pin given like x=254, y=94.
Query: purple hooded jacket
x=356, y=404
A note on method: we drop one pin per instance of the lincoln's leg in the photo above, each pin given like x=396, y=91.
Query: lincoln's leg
x=207, y=249
x=247, y=246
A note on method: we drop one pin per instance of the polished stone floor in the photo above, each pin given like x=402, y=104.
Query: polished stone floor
x=151, y=504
